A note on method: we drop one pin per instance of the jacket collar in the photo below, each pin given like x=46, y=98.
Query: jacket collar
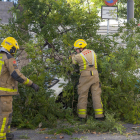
x=84, y=50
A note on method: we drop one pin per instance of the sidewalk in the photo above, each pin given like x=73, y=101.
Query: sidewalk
x=132, y=133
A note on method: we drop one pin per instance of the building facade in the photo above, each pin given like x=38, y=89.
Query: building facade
x=5, y=14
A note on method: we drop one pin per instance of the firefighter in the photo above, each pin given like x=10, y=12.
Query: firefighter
x=9, y=78
x=89, y=79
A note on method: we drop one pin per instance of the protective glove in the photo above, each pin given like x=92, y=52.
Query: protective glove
x=35, y=87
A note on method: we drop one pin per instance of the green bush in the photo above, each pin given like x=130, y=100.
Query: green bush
x=56, y=25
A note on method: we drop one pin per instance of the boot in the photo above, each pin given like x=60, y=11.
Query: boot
x=82, y=120
x=100, y=119
x=9, y=136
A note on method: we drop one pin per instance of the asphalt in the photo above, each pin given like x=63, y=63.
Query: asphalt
x=132, y=133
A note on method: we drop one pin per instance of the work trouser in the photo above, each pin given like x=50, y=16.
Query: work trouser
x=5, y=115
x=89, y=80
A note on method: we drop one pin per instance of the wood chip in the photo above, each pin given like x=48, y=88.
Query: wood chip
x=42, y=129
x=93, y=132
x=61, y=137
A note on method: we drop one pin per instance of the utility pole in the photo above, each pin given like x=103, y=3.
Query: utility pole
x=130, y=10
x=130, y=13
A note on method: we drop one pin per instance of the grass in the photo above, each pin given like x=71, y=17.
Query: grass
x=24, y=136
x=91, y=126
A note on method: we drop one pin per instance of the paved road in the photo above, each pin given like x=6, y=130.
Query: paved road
x=132, y=133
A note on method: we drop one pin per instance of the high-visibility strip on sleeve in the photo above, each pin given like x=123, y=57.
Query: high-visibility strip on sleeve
x=95, y=60
x=3, y=135
x=27, y=81
x=8, y=89
x=8, y=130
x=3, y=125
x=82, y=111
x=1, y=63
x=98, y=111
x=1, y=56
x=84, y=62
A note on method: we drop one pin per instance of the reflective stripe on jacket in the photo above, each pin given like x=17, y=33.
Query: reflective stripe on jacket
x=10, y=75
x=84, y=63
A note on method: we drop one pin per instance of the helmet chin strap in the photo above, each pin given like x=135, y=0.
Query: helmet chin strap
x=12, y=54
x=13, y=50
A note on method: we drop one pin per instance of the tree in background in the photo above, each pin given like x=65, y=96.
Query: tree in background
x=47, y=29
x=55, y=25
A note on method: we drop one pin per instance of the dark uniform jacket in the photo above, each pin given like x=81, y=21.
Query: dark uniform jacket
x=10, y=75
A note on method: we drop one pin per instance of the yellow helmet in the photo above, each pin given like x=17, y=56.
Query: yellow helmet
x=10, y=44
x=80, y=43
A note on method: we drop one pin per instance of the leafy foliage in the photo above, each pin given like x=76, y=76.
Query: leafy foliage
x=52, y=27
x=122, y=8
x=92, y=126
x=47, y=31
